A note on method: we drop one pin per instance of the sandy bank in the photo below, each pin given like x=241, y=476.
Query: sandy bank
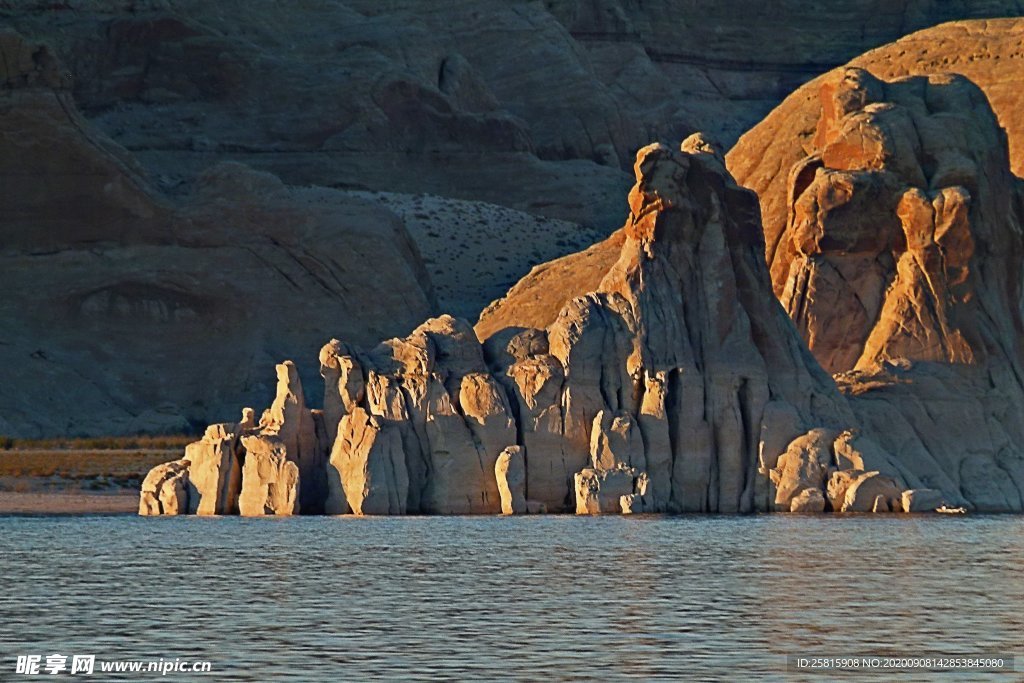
x=67, y=503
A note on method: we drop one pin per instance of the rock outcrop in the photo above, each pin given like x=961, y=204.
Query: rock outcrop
x=369, y=473
x=427, y=427
x=215, y=471
x=510, y=473
x=986, y=52
x=921, y=500
x=107, y=279
x=678, y=384
x=536, y=299
x=900, y=262
x=270, y=480
x=275, y=467
x=165, y=489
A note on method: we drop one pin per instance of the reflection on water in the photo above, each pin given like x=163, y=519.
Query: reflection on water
x=556, y=597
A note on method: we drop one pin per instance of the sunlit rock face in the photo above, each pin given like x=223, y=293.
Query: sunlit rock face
x=900, y=216
x=987, y=52
x=678, y=384
x=900, y=263
x=660, y=374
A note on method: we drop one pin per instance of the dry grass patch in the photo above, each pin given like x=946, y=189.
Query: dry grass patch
x=83, y=464
x=100, y=443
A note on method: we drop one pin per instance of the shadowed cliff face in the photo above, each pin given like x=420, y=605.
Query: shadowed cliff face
x=408, y=96
x=126, y=310
x=749, y=53
x=401, y=96
x=900, y=264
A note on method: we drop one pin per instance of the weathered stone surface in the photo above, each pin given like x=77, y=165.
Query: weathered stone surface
x=436, y=99
x=876, y=258
x=615, y=441
x=248, y=468
x=215, y=471
x=602, y=491
x=370, y=467
x=838, y=483
x=986, y=52
x=819, y=468
x=510, y=473
x=165, y=489
x=922, y=500
x=808, y=500
x=434, y=414
x=893, y=231
x=270, y=481
x=536, y=299
x=619, y=362
x=163, y=296
x=872, y=492
x=344, y=385
x=431, y=106
x=655, y=385
x=292, y=423
x=803, y=467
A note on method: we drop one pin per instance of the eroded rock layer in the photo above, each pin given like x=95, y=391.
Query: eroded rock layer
x=676, y=384
x=986, y=51
x=900, y=262
x=107, y=279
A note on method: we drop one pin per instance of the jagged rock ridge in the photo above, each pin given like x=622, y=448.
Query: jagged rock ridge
x=986, y=51
x=900, y=262
x=677, y=385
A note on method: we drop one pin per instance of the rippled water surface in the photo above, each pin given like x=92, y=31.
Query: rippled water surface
x=532, y=598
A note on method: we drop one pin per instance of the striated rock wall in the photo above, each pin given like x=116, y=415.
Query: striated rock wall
x=900, y=262
x=416, y=97
x=107, y=279
x=677, y=385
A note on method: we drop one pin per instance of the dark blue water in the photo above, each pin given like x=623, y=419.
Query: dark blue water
x=527, y=598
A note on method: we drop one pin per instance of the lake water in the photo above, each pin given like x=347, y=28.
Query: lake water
x=526, y=598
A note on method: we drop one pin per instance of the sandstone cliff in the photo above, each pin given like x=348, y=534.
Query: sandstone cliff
x=900, y=262
x=107, y=280
x=677, y=384
x=407, y=96
x=986, y=52
x=425, y=82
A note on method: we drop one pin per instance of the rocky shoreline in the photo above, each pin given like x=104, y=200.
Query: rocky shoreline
x=829, y=318
x=679, y=385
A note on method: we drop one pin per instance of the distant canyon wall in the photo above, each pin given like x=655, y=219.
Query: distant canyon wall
x=408, y=96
